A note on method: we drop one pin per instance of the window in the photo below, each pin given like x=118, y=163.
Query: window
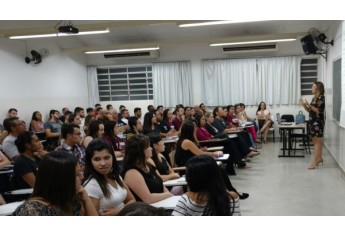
x=308, y=75
x=125, y=83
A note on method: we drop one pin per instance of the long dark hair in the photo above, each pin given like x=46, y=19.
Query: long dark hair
x=109, y=126
x=259, y=108
x=147, y=127
x=93, y=128
x=135, y=151
x=100, y=144
x=155, y=139
x=187, y=132
x=34, y=116
x=165, y=114
x=212, y=189
x=56, y=180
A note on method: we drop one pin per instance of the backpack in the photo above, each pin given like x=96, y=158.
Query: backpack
x=300, y=118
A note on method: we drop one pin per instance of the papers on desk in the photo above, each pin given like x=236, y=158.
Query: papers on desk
x=8, y=209
x=168, y=203
x=175, y=182
x=219, y=148
x=172, y=139
x=23, y=191
x=232, y=135
x=222, y=158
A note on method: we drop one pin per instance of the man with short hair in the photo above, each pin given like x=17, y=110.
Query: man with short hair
x=138, y=114
x=150, y=108
x=72, y=136
x=109, y=107
x=53, y=129
x=12, y=112
x=160, y=108
x=64, y=110
x=14, y=127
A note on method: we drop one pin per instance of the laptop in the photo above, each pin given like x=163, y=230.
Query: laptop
x=281, y=122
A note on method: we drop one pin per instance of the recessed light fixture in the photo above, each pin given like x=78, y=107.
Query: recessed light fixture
x=59, y=34
x=253, y=42
x=123, y=50
x=222, y=22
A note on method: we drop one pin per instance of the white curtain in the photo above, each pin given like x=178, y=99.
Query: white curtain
x=229, y=81
x=172, y=83
x=279, y=80
x=92, y=86
x=273, y=80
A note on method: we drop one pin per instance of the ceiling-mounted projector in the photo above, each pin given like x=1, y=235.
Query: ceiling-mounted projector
x=68, y=29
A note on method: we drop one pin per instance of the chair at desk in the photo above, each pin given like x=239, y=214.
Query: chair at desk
x=284, y=118
x=305, y=139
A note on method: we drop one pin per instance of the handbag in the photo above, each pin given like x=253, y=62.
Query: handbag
x=300, y=118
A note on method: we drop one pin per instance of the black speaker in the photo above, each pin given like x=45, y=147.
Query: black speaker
x=308, y=45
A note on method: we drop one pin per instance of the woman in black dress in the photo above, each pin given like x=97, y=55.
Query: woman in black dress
x=316, y=121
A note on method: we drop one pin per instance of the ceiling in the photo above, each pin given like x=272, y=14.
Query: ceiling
x=127, y=34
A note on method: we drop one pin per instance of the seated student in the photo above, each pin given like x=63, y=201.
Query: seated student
x=187, y=147
x=103, y=183
x=158, y=160
x=135, y=127
x=37, y=125
x=140, y=176
x=110, y=135
x=166, y=125
x=95, y=130
x=4, y=161
x=207, y=195
x=12, y=112
x=14, y=126
x=235, y=149
x=58, y=190
x=241, y=115
x=141, y=209
x=263, y=116
x=179, y=118
x=150, y=124
x=25, y=167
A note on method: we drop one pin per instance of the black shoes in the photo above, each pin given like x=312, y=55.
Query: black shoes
x=243, y=195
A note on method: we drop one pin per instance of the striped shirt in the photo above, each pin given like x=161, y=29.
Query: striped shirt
x=187, y=207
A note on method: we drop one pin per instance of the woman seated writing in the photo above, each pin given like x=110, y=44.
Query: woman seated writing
x=140, y=176
x=103, y=183
x=207, y=195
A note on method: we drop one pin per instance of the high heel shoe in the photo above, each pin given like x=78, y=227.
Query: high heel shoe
x=320, y=162
x=313, y=167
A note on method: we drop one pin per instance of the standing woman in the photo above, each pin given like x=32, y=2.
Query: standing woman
x=316, y=111
x=103, y=183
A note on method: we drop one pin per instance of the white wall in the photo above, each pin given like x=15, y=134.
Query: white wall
x=195, y=54
x=334, y=133
x=59, y=81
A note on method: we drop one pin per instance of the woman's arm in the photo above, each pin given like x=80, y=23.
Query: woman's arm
x=189, y=145
x=4, y=161
x=29, y=178
x=88, y=208
x=136, y=182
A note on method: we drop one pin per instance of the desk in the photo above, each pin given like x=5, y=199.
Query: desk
x=287, y=130
x=175, y=182
x=8, y=209
x=172, y=139
x=23, y=191
x=168, y=203
x=225, y=157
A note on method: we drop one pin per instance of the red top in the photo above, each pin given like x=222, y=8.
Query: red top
x=202, y=134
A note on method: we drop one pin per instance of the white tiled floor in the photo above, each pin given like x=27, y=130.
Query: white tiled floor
x=285, y=186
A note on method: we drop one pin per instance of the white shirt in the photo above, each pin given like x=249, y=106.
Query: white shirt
x=117, y=195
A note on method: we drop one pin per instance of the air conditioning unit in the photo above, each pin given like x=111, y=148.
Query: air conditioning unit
x=133, y=55
x=251, y=49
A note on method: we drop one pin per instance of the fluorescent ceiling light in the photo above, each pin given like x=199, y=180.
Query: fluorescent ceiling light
x=252, y=42
x=58, y=34
x=123, y=50
x=223, y=22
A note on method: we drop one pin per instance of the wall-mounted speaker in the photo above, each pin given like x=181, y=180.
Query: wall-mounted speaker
x=308, y=45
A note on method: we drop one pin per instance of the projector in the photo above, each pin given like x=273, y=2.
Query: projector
x=69, y=29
